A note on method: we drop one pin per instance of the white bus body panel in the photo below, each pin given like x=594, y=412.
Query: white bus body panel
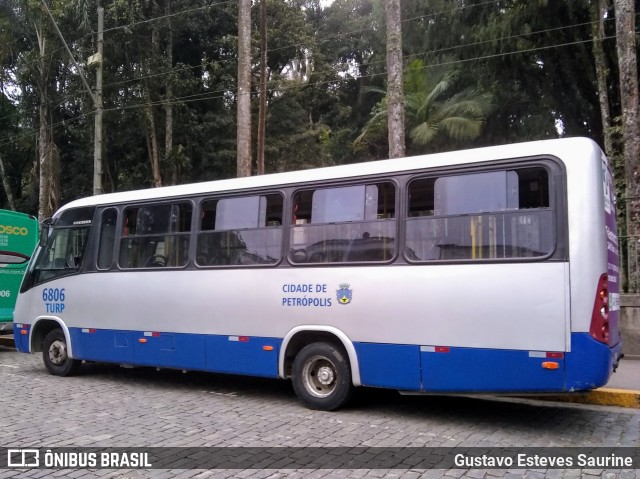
x=454, y=305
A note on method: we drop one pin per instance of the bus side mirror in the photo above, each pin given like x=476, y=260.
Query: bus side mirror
x=44, y=232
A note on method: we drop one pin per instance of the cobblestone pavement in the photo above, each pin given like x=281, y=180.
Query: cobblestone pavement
x=109, y=406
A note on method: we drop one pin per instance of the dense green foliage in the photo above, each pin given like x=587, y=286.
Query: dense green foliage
x=477, y=73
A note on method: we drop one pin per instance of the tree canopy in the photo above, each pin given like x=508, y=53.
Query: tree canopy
x=475, y=73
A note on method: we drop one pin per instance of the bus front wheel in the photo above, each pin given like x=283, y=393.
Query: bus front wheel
x=322, y=377
x=55, y=355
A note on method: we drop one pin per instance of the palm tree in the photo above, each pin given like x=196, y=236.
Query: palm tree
x=432, y=109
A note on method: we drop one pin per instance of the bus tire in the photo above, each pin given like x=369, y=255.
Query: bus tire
x=322, y=377
x=55, y=355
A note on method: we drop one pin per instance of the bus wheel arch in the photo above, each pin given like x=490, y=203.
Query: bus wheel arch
x=41, y=328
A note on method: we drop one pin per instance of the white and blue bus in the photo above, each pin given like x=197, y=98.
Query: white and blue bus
x=491, y=270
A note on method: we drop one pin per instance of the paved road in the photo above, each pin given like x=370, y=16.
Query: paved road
x=108, y=406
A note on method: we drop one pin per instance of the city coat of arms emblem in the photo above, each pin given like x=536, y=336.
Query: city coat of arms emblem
x=344, y=294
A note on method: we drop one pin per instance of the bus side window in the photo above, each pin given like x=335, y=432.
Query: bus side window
x=347, y=224
x=107, y=238
x=243, y=231
x=487, y=215
x=156, y=236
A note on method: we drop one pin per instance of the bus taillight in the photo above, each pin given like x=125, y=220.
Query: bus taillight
x=600, y=317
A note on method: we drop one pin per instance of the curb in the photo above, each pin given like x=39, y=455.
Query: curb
x=600, y=397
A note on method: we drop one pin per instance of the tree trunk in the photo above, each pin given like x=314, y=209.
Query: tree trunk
x=168, y=106
x=598, y=8
x=154, y=154
x=7, y=186
x=44, y=167
x=627, y=64
x=262, y=113
x=152, y=134
x=244, y=89
x=395, y=97
x=48, y=179
x=49, y=172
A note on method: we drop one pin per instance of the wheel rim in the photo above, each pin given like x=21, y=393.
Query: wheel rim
x=58, y=352
x=319, y=376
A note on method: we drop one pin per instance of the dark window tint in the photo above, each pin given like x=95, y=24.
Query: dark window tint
x=240, y=231
x=107, y=238
x=66, y=245
x=489, y=215
x=344, y=224
x=156, y=236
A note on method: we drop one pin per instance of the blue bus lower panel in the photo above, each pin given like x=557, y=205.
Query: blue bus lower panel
x=243, y=355
x=489, y=370
x=393, y=366
x=444, y=369
x=21, y=340
x=227, y=354
x=102, y=345
x=449, y=369
x=184, y=351
x=439, y=369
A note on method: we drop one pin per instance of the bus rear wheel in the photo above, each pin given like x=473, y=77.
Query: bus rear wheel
x=322, y=377
x=55, y=355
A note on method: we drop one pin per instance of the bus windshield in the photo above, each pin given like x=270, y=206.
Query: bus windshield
x=18, y=237
x=63, y=250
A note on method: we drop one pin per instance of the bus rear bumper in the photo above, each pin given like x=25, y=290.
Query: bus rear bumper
x=590, y=363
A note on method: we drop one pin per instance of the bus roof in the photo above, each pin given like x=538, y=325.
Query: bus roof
x=561, y=148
